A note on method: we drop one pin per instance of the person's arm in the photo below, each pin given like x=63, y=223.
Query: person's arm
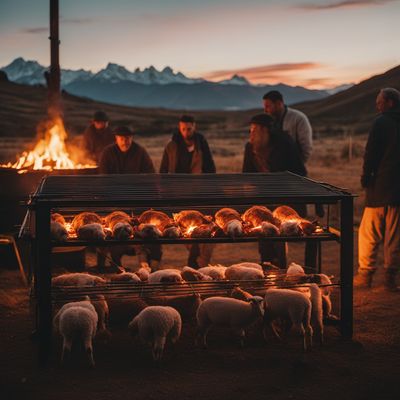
x=372, y=155
x=147, y=163
x=304, y=137
x=208, y=165
x=248, y=165
x=105, y=163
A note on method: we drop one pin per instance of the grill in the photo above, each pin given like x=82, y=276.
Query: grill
x=173, y=192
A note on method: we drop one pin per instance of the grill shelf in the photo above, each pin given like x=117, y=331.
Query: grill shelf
x=173, y=192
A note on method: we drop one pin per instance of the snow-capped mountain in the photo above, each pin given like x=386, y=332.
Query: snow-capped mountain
x=340, y=88
x=235, y=80
x=19, y=69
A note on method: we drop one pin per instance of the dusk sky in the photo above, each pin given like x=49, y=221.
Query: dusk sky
x=299, y=42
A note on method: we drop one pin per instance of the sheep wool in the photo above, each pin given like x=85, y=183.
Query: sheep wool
x=154, y=325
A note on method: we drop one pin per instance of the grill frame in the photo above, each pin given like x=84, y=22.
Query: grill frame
x=175, y=191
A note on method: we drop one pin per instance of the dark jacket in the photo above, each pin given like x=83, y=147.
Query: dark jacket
x=96, y=140
x=177, y=158
x=381, y=169
x=135, y=161
x=281, y=155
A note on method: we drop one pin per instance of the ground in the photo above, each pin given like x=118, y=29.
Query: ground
x=365, y=368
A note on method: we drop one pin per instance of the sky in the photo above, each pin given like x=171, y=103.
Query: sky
x=316, y=44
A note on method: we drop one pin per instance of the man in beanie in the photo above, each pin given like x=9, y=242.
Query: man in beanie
x=270, y=150
x=188, y=152
x=97, y=135
x=381, y=180
x=127, y=157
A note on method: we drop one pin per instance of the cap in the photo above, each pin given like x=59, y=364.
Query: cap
x=122, y=131
x=100, y=116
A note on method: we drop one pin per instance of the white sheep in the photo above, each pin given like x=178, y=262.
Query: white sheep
x=292, y=306
x=58, y=231
x=144, y=271
x=154, y=325
x=77, y=279
x=190, y=275
x=77, y=320
x=227, y=312
x=237, y=272
x=248, y=265
x=125, y=277
x=165, y=275
x=215, y=272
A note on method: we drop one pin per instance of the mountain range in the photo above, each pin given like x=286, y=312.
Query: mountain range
x=152, y=88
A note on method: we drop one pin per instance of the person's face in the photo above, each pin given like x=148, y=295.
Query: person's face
x=124, y=143
x=100, y=124
x=383, y=104
x=187, y=130
x=273, y=108
x=259, y=136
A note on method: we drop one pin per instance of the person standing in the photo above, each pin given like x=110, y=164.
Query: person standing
x=270, y=150
x=380, y=178
x=188, y=152
x=97, y=136
x=126, y=156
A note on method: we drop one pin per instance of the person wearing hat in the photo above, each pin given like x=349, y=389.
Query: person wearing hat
x=97, y=135
x=271, y=150
x=188, y=152
x=125, y=156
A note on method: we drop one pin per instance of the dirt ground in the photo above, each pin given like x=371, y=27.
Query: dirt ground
x=366, y=368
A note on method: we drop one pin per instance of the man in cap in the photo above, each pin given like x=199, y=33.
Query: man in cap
x=127, y=157
x=270, y=150
x=380, y=178
x=97, y=135
x=188, y=152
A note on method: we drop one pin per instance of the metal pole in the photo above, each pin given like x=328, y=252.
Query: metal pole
x=53, y=78
x=346, y=266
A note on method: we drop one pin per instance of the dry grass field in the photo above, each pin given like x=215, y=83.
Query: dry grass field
x=365, y=368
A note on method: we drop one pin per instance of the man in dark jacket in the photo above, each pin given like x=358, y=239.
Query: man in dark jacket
x=188, y=152
x=381, y=180
x=128, y=157
x=125, y=156
x=270, y=150
x=97, y=136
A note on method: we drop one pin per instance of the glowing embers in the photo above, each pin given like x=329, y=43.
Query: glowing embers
x=49, y=153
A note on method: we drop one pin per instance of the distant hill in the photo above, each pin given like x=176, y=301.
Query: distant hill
x=354, y=106
x=23, y=107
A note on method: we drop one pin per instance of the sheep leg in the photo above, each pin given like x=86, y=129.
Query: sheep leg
x=158, y=348
x=66, y=349
x=242, y=336
x=201, y=337
x=89, y=351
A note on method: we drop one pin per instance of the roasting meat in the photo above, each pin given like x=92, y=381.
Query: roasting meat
x=291, y=222
x=260, y=221
x=194, y=224
x=229, y=221
x=154, y=224
x=88, y=226
x=120, y=225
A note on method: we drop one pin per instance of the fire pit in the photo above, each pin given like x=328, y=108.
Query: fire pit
x=174, y=192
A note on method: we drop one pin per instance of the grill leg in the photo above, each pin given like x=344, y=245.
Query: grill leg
x=43, y=283
x=346, y=267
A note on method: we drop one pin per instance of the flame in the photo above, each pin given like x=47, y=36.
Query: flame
x=190, y=229
x=49, y=153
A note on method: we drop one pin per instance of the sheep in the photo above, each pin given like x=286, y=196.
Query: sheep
x=120, y=224
x=93, y=231
x=77, y=279
x=154, y=325
x=237, y=272
x=228, y=312
x=290, y=228
x=77, y=319
x=292, y=306
x=58, y=231
x=240, y=294
x=248, y=265
x=165, y=275
x=125, y=277
x=124, y=309
x=190, y=274
x=215, y=272
x=316, y=311
x=144, y=271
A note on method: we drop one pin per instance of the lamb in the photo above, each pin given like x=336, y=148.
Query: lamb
x=227, y=312
x=291, y=306
x=260, y=221
x=77, y=319
x=165, y=275
x=88, y=226
x=144, y=272
x=215, y=272
x=248, y=265
x=293, y=223
x=125, y=277
x=237, y=272
x=229, y=221
x=154, y=325
x=77, y=279
x=120, y=224
x=190, y=274
x=240, y=294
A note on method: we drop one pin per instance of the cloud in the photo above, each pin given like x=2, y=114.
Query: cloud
x=343, y=4
x=34, y=31
x=265, y=72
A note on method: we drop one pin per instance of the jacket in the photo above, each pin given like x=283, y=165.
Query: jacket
x=381, y=167
x=177, y=159
x=96, y=140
